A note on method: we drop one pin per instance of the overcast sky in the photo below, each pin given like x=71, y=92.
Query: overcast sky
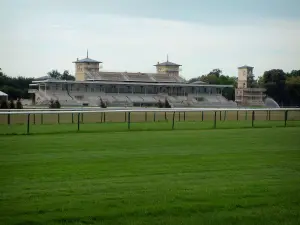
x=133, y=35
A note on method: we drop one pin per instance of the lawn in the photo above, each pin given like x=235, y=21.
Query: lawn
x=222, y=176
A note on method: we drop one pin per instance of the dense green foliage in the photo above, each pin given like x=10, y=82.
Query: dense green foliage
x=181, y=177
x=17, y=87
x=61, y=76
x=283, y=87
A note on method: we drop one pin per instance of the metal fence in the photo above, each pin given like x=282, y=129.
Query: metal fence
x=31, y=117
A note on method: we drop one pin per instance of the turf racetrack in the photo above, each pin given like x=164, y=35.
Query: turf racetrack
x=222, y=176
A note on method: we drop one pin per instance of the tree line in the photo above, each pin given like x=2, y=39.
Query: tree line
x=283, y=87
x=17, y=87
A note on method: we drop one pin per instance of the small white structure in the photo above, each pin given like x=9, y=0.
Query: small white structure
x=3, y=96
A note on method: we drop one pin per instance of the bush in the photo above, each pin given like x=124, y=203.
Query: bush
x=12, y=104
x=102, y=104
x=51, y=104
x=167, y=104
x=54, y=104
x=19, y=104
x=57, y=104
x=3, y=104
x=160, y=104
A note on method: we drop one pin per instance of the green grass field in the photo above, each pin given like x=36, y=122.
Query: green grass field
x=222, y=176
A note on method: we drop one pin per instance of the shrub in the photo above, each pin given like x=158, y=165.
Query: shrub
x=19, y=104
x=102, y=104
x=160, y=104
x=57, y=104
x=167, y=104
x=4, y=104
x=12, y=104
x=51, y=104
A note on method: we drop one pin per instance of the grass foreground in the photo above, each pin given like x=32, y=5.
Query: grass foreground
x=223, y=176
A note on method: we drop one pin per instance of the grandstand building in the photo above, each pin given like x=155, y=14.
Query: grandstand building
x=245, y=94
x=120, y=89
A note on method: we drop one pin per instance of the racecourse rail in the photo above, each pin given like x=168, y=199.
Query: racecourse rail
x=29, y=115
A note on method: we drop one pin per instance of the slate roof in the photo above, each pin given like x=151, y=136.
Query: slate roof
x=167, y=63
x=87, y=60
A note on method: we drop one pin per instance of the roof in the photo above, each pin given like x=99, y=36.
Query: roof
x=199, y=82
x=167, y=63
x=86, y=60
x=2, y=93
x=43, y=78
x=245, y=67
x=134, y=83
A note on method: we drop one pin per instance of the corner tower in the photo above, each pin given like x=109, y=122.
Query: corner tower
x=168, y=68
x=85, y=65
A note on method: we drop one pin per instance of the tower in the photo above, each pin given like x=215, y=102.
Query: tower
x=245, y=76
x=85, y=65
x=246, y=94
x=168, y=68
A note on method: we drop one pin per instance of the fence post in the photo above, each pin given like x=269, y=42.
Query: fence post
x=104, y=118
x=285, y=117
x=215, y=120
x=34, y=119
x=246, y=115
x=184, y=116
x=154, y=116
x=58, y=118
x=42, y=118
x=72, y=117
x=128, y=120
x=179, y=116
x=8, y=118
x=78, y=122
x=28, y=123
x=173, y=121
x=237, y=115
x=101, y=116
x=202, y=116
x=253, y=118
x=220, y=115
x=269, y=115
x=145, y=116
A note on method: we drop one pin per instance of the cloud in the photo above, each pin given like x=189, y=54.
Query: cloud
x=53, y=41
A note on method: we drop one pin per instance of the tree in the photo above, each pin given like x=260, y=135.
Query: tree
x=66, y=76
x=54, y=74
x=215, y=72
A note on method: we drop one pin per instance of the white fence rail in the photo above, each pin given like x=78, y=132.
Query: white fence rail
x=63, y=111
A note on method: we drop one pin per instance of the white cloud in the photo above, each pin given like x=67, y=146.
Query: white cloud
x=38, y=44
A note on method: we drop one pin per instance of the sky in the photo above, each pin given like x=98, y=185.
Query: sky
x=133, y=35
